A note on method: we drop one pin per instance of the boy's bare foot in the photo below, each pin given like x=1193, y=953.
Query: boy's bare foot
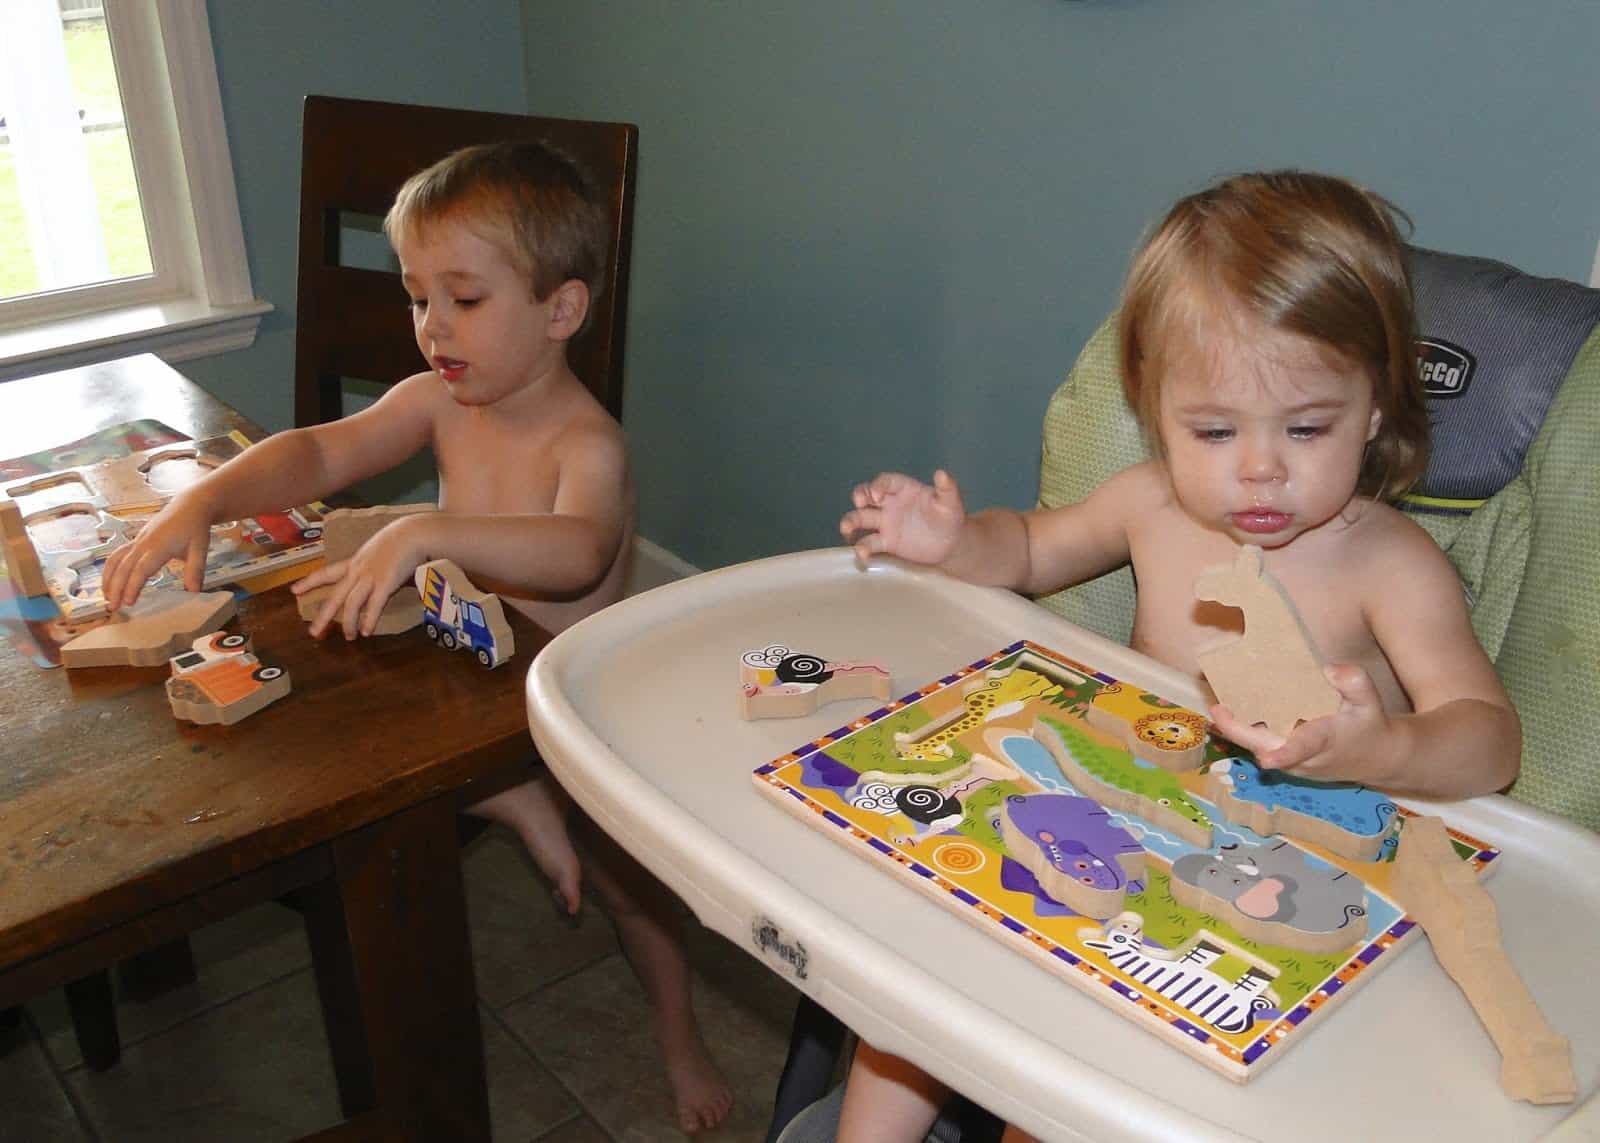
x=703, y=1097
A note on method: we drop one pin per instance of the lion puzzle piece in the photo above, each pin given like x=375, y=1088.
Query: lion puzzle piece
x=1271, y=674
x=219, y=680
x=776, y=682
x=1459, y=916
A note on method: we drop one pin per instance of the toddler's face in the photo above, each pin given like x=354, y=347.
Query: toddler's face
x=1264, y=440
x=474, y=314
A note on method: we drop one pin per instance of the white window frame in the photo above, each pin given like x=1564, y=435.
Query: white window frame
x=199, y=299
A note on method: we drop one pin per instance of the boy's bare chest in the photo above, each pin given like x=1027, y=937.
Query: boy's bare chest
x=496, y=471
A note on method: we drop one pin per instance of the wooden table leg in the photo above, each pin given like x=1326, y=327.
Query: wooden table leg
x=405, y=913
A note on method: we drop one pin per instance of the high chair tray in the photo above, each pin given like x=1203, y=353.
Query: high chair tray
x=636, y=712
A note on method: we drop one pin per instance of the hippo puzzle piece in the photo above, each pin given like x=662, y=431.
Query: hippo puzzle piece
x=151, y=631
x=1272, y=673
x=219, y=680
x=1272, y=893
x=1463, y=926
x=456, y=614
x=1072, y=849
x=777, y=682
x=344, y=530
x=1342, y=817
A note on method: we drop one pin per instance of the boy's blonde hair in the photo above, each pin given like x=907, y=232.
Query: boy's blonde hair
x=533, y=200
x=1304, y=254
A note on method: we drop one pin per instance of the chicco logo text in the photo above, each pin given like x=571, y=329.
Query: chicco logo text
x=1445, y=369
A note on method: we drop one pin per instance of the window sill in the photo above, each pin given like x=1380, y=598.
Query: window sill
x=176, y=330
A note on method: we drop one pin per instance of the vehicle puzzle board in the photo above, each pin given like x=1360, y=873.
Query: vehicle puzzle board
x=971, y=789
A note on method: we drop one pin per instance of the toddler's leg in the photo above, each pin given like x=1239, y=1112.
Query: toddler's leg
x=888, y=1099
x=537, y=810
x=651, y=932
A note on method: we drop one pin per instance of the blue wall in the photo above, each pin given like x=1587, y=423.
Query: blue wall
x=269, y=57
x=875, y=235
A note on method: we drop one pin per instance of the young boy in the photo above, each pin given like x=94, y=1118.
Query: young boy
x=501, y=249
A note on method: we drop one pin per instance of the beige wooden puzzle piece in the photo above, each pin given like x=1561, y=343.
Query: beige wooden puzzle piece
x=219, y=680
x=22, y=560
x=1166, y=736
x=344, y=530
x=776, y=682
x=151, y=631
x=1443, y=893
x=1271, y=674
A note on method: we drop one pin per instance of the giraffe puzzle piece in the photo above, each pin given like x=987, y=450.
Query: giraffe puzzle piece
x=220, y=681
x=151, y=631
x=777, y=682
x=1271, y=674
x=344, y=530
x=456, y=614
x=1342, y=817
x=1442, y=892
x=1273, y=894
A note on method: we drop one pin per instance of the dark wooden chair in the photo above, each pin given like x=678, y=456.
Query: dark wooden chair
x=351, y=321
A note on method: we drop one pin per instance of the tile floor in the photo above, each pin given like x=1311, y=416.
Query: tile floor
x=240, y=1054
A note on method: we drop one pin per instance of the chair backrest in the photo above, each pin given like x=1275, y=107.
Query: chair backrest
x=1510, y=493
x=351, y=321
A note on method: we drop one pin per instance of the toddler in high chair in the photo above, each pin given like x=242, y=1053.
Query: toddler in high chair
x=502, y=247
x=1267, y=349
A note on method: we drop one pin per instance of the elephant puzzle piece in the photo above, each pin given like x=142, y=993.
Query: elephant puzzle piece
x=151, y=631
x=1443, y=893
x=1271, y=674
x=1342, y=817
x=344, y=530
x=219, y=680
x=456, y=614
x=1073, y=850
x=777, y=682
x=1273, y=894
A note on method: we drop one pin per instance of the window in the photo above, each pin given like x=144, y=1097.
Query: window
x=119, y=222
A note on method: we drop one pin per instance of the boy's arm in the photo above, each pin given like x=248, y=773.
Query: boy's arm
x=564, y=552
x=288, y=468
x=1463, y=737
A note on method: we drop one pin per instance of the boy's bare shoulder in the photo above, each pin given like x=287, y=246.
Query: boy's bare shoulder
x=1139, y=488
x=1389, y=544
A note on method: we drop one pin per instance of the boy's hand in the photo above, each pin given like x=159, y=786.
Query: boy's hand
x=898, y=515
x=363, y=583
x=183, y=528
x=1346, y=746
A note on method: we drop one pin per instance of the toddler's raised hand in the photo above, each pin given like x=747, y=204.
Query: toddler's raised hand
x=898, y=515
x=182, y=528
x=1346, y=746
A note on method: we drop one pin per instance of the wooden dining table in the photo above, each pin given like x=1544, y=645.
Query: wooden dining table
x=123, y=829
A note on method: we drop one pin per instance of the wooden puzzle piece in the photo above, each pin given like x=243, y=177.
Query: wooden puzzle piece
x=1111, y=776
x=456, y=614
x=1443, y=893
x=997, y=694
x=1272, y=673
x=916, y=808
x=344, y=530
x=22, y=561
x=1342, y=817
x=1184, y=975
x=1273, y=894
x=1167, y=736
x=148, y=633
x=219, y=680
x=1070, y=846
x=777, y=682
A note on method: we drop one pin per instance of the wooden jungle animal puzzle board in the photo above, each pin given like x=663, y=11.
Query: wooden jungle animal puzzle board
x=1226, y=943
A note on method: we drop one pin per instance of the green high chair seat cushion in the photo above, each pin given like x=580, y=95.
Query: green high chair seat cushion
x=1513, y=497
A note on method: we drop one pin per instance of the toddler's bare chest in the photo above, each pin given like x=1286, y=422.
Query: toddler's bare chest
x=489, y=477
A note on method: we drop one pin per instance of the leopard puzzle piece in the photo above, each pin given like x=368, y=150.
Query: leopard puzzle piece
x=1459, y=916
x=1072, y=849
x=989, y=699
x=1153, y=730
x=778, y=682
x=151, y=631
x=1273, y=893
x=1272, y=673
x=1346, y=818
x=219, y=680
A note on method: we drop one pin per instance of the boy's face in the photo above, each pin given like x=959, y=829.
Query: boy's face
x=474, y=313
x=1264, y=442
